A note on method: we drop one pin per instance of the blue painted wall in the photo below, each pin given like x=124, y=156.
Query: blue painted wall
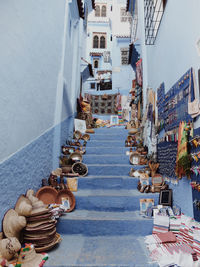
x=40, y=53
x=122, y=80
x=30, y=48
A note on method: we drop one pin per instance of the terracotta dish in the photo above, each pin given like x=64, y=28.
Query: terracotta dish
x=47, y=194
x=65, y=193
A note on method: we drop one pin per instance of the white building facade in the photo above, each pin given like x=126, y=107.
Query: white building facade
x=108, y=48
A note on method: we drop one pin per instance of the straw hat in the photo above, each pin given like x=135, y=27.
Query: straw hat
x=36, y=237
x=29, y=258
x=38, y=208
x=30, y=194
x=42, y=229
x=9, y=247
x=13, y=224
x=56, y=240
x=23, y=206
x=47, y=222
x=41, y=217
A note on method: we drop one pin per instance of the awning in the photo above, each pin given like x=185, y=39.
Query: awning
x=87, y=72
x=133, y=56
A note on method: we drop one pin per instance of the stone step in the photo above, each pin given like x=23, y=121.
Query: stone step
x=105, y=143
x=107, y=182
x=110, y=136
x=100, y=251
x=112, y=203
x=103, y=215
x=112, y=130
x=96, y=227
x=109, y=169
x=106, y=159
x=120, y=150
x=130, y=192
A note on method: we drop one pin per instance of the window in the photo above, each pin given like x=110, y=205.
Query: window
x=125, y=16
x=153, y=12
x=100, y=10
x=96, y=63
x=124, y=56
x=103, y=11
x=99, y=40
x=92, y=85
x=102, y=42
x=95, y=41
x=97, y=11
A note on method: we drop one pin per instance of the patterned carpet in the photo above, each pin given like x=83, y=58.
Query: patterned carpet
x=105, y=229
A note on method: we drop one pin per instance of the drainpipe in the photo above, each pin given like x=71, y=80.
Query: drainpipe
x=59, y=96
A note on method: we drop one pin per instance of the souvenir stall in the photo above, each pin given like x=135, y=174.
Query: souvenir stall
x=171, y=124
x=177, y=156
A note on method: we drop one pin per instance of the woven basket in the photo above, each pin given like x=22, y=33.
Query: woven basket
x=80, y=168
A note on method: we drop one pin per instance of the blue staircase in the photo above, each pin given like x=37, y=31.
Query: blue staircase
x=106, y=228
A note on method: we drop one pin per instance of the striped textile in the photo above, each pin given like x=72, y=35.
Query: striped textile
x=167, y=237
x=196, y=241
x=161, y=224
x=157, y=229
x=175, y=224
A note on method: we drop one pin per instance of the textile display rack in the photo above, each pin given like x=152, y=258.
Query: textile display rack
x=166, y=156
x=172, y=109
x=173, y=106
x=195, y=176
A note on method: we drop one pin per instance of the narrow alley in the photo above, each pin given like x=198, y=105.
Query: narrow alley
x=100, y=133
x=106, y=228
